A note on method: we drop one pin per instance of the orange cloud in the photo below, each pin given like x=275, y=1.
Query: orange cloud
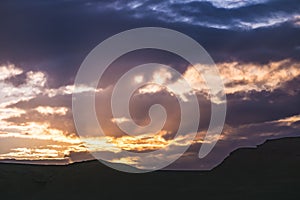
x=237, y=77
x=47, y=110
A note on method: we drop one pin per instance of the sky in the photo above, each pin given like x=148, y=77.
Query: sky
x=254, y=43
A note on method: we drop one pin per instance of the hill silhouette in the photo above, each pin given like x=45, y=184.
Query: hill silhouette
x=270, y=171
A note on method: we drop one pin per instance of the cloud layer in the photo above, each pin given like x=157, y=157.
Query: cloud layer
x=37, y=113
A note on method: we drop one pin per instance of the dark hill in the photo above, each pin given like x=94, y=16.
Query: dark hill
x=271, y=171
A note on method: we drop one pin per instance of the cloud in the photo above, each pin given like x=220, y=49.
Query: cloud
x=38, y=47
x=9, y=71
x=251, y=88
x=30, y=123
x=52, y=110
x=229, y=14
x=237, y=77
x=243, y=77
x=234, y=3
x=10, y=94
x=120, y=120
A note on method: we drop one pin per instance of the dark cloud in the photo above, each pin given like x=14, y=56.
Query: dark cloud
x=258, y=107
x=55, y=36
x=44, y=100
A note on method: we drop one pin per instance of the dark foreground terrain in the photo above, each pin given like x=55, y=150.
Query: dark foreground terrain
x=272, y=171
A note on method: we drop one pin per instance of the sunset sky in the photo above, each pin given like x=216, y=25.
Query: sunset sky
x=254, y=43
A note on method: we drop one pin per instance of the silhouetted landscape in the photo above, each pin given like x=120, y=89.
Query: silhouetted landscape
x=270, y=171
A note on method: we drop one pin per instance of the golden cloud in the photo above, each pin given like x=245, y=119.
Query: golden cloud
x=237, y=77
